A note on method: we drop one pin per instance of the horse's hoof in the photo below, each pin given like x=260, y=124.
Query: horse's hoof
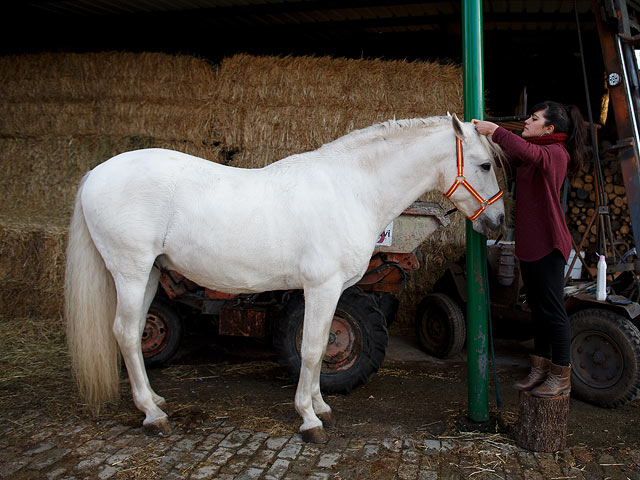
x=315, y=435
x=327, y=418
x=160, y=427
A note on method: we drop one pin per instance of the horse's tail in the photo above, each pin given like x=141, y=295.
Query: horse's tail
x=90, y=305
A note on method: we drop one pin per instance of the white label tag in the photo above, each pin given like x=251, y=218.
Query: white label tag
x=386, y=237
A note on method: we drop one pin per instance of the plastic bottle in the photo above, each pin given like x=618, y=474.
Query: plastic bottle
x=601, y=284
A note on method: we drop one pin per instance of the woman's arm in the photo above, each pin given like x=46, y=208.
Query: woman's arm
x=519, y=148
x=514, y=145
x=483, y=127
x=488, y=128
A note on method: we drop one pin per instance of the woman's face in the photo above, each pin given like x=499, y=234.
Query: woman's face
x=534, y=126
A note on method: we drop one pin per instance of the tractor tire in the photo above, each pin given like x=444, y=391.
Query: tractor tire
x=357, y=341
x=605, y=358
x=388, y=305
x=162, y=333
x=440, y=326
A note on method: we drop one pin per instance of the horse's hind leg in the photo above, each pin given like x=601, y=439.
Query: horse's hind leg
x=320, y=304
x=127, y=328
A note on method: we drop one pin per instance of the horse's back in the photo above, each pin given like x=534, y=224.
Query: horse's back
x=152, y=164
x=152, y=173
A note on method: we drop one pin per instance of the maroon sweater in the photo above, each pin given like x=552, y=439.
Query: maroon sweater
x=540, y=225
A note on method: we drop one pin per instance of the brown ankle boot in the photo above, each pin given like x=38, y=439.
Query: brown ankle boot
x=537, y=375
x=557, y=383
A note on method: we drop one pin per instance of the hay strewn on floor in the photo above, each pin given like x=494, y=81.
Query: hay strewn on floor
x=63, y=114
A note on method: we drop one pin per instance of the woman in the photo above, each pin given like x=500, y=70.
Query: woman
x=551, y=144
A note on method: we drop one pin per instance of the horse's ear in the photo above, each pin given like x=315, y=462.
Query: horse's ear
x=457, y=126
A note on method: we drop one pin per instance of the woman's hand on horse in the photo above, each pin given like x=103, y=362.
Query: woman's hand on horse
x=483, y=127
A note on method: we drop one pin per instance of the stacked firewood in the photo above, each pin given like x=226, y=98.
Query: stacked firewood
x=582, y=205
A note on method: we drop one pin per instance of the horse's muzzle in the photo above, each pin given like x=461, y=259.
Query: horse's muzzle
x=483, y=224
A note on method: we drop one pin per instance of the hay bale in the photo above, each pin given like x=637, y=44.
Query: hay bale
x=182, y=119
x=144, y=94
x=41, y=173
x=32, y=269
x=67, y=77
x=429, y=87
x=296, y=104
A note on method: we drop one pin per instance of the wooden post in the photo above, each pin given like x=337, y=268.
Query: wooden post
x=542, y=422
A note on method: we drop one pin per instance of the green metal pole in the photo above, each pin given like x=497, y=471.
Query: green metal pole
x=477, y=319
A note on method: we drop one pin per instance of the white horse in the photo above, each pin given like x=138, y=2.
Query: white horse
x=309, y=221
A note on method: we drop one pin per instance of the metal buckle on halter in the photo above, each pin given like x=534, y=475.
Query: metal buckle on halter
x=485, y=204
x=460, y=180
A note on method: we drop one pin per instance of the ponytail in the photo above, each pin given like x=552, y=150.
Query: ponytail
x=577, y=137
x=569, y=120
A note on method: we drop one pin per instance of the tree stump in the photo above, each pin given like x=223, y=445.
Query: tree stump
x=542, y=422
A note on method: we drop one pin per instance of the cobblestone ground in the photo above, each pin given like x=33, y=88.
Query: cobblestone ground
x=237, y=421
x=35, y=447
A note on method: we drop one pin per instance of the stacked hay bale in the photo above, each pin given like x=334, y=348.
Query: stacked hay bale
x=269, y=108
x=63, y=114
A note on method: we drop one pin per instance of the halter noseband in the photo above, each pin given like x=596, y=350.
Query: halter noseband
x=460, y=180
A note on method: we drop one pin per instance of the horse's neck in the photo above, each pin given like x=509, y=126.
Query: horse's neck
x=403, y=172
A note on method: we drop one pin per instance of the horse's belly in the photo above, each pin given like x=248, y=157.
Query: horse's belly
x=257, y=261
x=236, y=271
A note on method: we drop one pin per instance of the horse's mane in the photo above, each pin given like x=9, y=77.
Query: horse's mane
x=492, y=147
x=498, y=156
x=388, y=130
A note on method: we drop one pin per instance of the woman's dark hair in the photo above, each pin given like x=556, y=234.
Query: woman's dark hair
x=567, y=119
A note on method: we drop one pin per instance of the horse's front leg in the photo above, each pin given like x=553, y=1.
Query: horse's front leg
x=320, y=407
x=320, y=305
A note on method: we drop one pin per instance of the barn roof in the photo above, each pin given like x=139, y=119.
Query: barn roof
x=302, y=22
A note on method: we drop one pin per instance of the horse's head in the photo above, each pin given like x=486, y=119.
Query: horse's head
x=471, y=180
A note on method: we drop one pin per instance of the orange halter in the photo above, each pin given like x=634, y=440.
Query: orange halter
x=460, y=180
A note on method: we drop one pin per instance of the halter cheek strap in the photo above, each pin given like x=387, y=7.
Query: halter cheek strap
x=460, y=180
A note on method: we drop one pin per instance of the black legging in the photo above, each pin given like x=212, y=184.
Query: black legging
x=544, y=283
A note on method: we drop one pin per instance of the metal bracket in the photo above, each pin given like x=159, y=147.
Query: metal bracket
x=622, y=144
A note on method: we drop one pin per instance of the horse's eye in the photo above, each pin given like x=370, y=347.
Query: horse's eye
x=486, y=166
